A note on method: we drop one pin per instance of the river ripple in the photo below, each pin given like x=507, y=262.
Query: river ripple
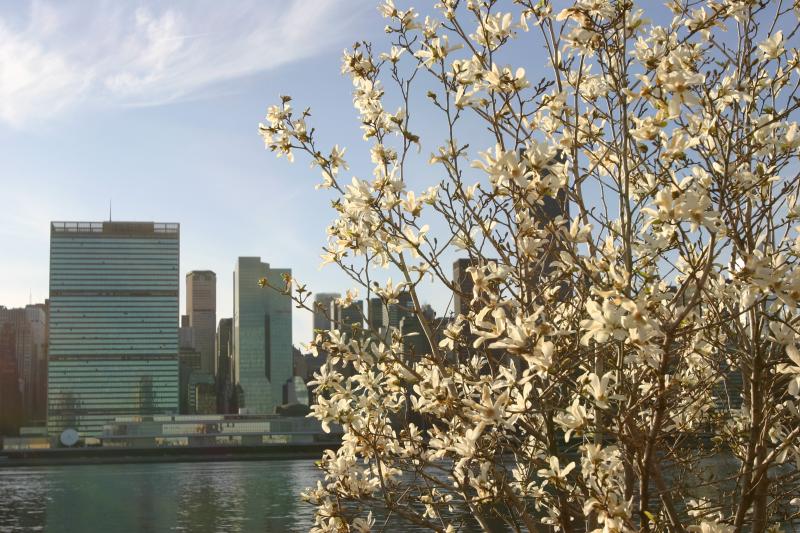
x=194, y=497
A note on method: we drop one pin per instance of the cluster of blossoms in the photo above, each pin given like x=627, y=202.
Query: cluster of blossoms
x=625, y=356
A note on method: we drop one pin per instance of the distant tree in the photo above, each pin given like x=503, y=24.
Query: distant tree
x=628, y=362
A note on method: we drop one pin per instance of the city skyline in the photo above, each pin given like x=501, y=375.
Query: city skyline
x=223, y=298
x=193, y=140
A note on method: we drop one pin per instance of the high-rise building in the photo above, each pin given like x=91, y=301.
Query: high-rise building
x=224, y=343
x=26, y=342
x=189, y=366
x=11, y=417
x=224, y=366
x=375, y=313
x=322, y=305
x=462, y=280
x=201, y=307
x=262, y=336
x=113, y=323
x=394, y=313
x=346, y=318
x=414, y=340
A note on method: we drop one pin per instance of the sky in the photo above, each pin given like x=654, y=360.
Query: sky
x=153, y=107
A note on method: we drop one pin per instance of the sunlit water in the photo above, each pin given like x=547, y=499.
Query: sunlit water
x=241, y=496
x=245, y=496
x=226, y=496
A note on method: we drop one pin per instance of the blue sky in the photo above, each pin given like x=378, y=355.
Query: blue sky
x=155, y=107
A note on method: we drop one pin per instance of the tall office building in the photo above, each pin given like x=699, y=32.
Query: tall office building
x=11, y=416
x=394, y=313
x=262, y=336
x=224, y=365
x=201, y=307
x=347, y=318
x=224, y=344
x=322, y=305
x=414, y=340
x=375, y=313
x=25, y=341
x=462, y=280
x=188, y=365
x=113, y=323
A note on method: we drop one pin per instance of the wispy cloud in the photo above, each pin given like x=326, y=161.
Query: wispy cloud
x=55, y=56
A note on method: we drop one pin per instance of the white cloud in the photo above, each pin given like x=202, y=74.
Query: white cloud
x=58, y=55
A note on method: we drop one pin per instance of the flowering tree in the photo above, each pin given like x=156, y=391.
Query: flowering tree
x=628, y=361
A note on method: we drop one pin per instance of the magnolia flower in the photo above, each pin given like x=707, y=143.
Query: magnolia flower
x=605, y=322
x=676, y=145
x=493, y=29
x=541, y=359
x=413, y=240
x=393, y=55
x=411, y=204
x=504, y=81
x=488, y=412
x=336, y=159
x=363, y=525
x=483, y=276
x=772, y=47
x=573, y=419
x=485, y=330
x=711, y=527
x=647, y=128
x=387, y=9
x=598, y=387
x=555, y=473
x=679, y=84
x=436, y=50
x=452, y=333
x=792, y=370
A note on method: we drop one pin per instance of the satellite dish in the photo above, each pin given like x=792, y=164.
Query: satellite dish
x=69, y=437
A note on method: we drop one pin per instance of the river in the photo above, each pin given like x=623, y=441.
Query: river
x=194, y=497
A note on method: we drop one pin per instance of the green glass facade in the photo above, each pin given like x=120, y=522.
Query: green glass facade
x=262, y=336
x=113, y=323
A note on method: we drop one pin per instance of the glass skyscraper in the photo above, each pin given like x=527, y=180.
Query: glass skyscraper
x=201, y=307
x=262, y=336
x=322, y=311
x=113, y=322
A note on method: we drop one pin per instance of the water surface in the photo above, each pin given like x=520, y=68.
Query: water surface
x=197, y=497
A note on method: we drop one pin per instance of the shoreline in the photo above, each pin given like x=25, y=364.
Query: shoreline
x=101, y=456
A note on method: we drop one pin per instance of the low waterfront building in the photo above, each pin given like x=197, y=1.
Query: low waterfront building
x=189, y=431
x=212, y=430
x=30, y=438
